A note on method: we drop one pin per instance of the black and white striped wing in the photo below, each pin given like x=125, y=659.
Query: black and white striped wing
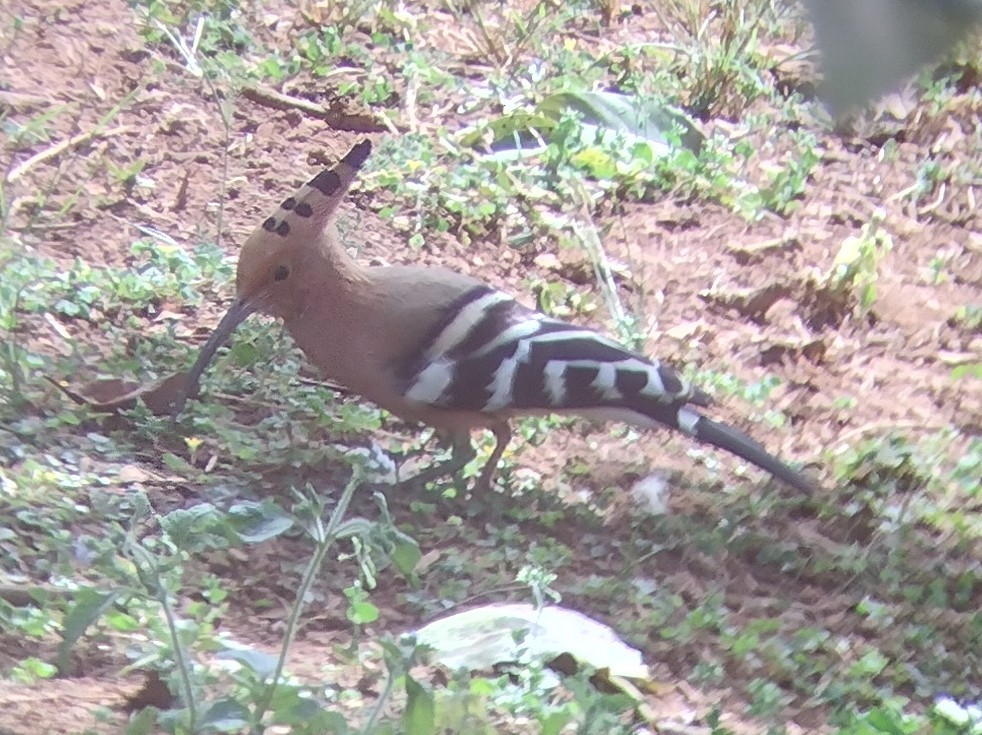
x=489, y=353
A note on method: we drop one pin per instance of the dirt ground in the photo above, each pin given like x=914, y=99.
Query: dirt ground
x=693, y=267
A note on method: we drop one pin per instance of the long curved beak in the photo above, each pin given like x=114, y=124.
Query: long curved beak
x=237, y=313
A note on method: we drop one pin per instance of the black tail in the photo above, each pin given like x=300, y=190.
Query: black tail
x=738, y=443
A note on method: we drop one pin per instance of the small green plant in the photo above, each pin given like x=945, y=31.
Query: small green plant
x=970, y=316
x=132, y=530
x=506, y=38
x=538, y=581
x=717, y=51
x=218, y=28
x=32, y=131
x=344, y=15
x=784, y=185
x=855, y=269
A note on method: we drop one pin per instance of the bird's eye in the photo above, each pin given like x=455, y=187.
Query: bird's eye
x=281, y=273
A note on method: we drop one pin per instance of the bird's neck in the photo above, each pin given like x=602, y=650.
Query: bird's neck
x=330, y=283
x=334, y=300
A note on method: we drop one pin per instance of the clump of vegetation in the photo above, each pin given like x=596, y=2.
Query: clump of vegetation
x=531, y=139
x=855, y=270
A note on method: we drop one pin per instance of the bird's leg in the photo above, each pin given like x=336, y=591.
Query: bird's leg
x=438, y=438
x=502, y=436
x=462, y=452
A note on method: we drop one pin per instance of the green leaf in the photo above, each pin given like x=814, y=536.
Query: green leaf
x=31, y=669
x=972, y=370
x=254, y=523
x=196, y=529
x=646, y=125
x=362, y=612
x=177, y=464
x=291, y=705
x=143, y=722
x=121, y=621
x=625, y=114
x=399, y=654
x=598, y=163
x=514, y=131
x=88, y=606
x=420, y=715
x=870, y=664
x=889, y=722
x=259, y=662
x=225, y=715
x=406, y=555
x=554, y=722
x=245, y=354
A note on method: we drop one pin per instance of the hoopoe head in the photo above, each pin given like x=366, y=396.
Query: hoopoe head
x=276, y=255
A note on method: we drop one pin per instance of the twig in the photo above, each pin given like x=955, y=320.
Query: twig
x=65, y=145
x=49, y=226
x=336, y=387
x=338, y=120
x=587, y=233
x=412, y=88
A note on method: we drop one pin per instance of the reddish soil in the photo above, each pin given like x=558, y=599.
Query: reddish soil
x=690, y=267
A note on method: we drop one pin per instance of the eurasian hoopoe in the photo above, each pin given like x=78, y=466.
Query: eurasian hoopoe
x=441, y=348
